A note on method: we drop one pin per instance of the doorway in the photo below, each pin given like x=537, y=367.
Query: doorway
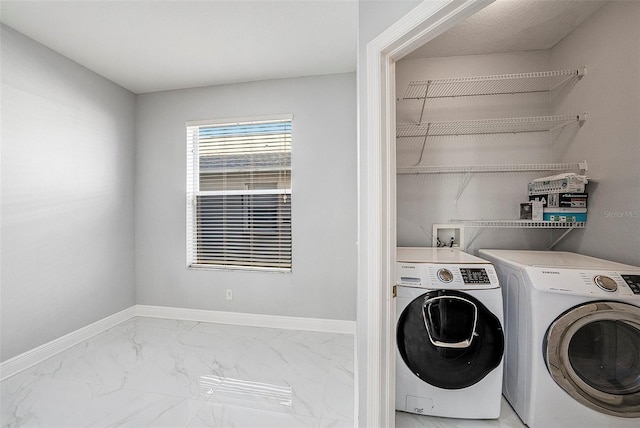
x=376, y=274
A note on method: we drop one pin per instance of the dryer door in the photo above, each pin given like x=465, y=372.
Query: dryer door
x=593, y=352
x=449, y=339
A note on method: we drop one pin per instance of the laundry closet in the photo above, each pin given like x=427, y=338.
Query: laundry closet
x=519, y=91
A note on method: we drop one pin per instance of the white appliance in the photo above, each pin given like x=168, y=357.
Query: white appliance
x=448, y=333
x=572, y=326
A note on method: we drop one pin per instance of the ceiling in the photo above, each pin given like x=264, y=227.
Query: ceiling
x=511, y=26
x=148, y=46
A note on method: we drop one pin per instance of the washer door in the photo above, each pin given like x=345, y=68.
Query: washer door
x=593, y=352
x=449, y=339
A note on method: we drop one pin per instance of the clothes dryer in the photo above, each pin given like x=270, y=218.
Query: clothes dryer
x=448, y=333
x=572, y=326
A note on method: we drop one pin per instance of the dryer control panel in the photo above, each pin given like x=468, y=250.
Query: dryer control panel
x=446, y=276
x=591, y=283
x=633, y=281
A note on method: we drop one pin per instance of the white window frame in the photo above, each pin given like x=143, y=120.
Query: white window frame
x=193, y=192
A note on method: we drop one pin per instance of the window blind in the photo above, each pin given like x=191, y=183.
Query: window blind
x=239, y=194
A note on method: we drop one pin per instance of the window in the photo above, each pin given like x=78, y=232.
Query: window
x=239, y=193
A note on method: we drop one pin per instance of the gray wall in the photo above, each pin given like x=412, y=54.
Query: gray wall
x=67, y=196
x=322, y=283
x=609, y=44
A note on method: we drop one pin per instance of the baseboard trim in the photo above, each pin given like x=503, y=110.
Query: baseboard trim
x=254, y=320
x=32, y=357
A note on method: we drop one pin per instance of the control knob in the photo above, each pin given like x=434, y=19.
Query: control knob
x=445, y=275
x=605, y=283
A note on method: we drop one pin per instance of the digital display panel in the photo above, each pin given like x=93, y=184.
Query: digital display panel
x=633, y=281
x=475, y=276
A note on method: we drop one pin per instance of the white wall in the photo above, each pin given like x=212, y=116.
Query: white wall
x=609, y=44
x=67, y=195
x=425, y=199
x=323, y=279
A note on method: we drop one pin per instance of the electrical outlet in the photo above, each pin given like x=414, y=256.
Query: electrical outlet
x=229, y=294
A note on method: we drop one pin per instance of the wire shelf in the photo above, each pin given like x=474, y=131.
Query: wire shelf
x=488, y=126
x=517, y=83
x=454, y=169
x=522, y=224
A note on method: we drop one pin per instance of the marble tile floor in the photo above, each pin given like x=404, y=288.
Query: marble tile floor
x=166, y=373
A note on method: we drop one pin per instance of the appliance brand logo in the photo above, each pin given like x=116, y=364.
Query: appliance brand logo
x=407, y=267
x=551, y=272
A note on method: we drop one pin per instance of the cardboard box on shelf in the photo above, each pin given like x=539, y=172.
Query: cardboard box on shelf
x=565, y=214
x=526, y=211
x=531, y=210
x=562, y=200
x=561, y=183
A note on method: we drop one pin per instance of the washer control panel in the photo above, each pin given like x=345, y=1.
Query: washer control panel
x=447, y=276
x=475, y=276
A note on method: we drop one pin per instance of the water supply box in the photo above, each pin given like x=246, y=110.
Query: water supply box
x=565, y=214
x=561, y=200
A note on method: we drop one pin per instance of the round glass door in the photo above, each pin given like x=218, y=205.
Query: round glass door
x=449, y=339
x=593, y=352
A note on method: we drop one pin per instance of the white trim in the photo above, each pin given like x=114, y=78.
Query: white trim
x=419, y=26
x=254, y=320
x=244, y=120
x=356, y=380
x=245, y=192
x=34, y=356
x=232, y=268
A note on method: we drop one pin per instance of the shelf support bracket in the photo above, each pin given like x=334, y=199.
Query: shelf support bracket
x=463, y=184
x=424, y=145
x=584, y=166
x=424, y=101
x=426, y=232
x=560, y=238
x=474, y=237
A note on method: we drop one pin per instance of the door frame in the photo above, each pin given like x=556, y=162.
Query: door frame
x=425, y=22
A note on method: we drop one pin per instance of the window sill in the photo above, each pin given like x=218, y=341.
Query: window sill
x=196, y=266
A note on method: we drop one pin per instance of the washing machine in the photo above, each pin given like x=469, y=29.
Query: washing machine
x=449, y=334
x=572, y=327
